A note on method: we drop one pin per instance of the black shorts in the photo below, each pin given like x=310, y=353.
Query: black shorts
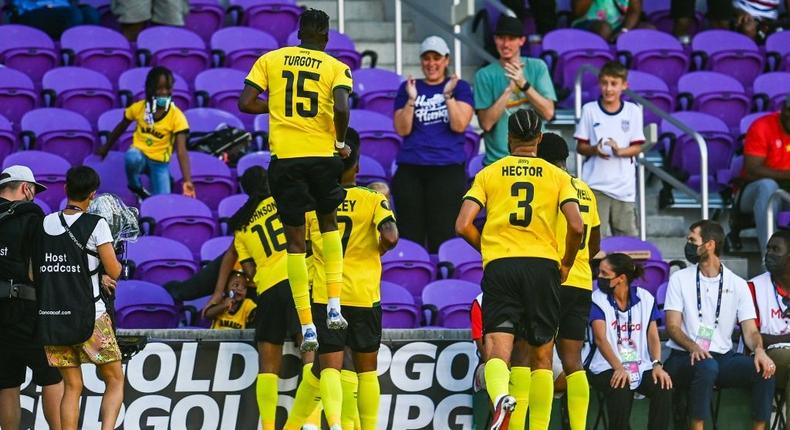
x=362, y=335
x=275, y=316
x=301, y=185
x=574, y=312
x=16, y=358
x=521, y=295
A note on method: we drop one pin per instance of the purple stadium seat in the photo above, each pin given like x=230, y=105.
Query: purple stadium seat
x=220, y=88
x=629, y=244
x=398, y=309
x=17, y=94
x=565, y=50
x=43, y=205
x=107, y=122
x=160, y=260
x=777, y=48
x=461, y=260
x=8, y=142
x=448, y=301
x=471, y=143
x=260, y=158
x=261, y=131
x=193, y=308
x=28, y=50
x=377, y=136
x=205, y=17
x=178, y=49
x=341, y=47
x=214, y=247
x=770, y=90
x=184, y=219
x=716, y=94
x=654, y=52
x=661, y=299
x=113, y=180
x=239, y=47
x=370, y=171
x=131, y=87
x=140, y=304
x=49, y=169
x=212, y=178
x=59, y=131
x=727, y=52
x=475, y=165
x=408, y=265
x=227, y=208
x=747, y=121
x=684, y=152
x=97, y=48
x=783, y=219
x=205, y=120
x=376, y=89
x=653, y=89
x=277, y=17
x=80, y=90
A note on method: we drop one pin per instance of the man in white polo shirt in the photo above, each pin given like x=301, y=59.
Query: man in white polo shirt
x=771, y=291
x=704, y=303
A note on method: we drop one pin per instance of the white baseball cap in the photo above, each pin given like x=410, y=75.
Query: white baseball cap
x=20, y=174
x=435, y=44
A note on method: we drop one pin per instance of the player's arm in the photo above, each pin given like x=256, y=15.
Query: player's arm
x=342, y=112
x=389, y=236
x=594, y=244
x=573, y=239
x=249, y=102
x=465, y=227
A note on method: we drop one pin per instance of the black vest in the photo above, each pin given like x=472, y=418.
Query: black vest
x=14, y=219
x=66, y=305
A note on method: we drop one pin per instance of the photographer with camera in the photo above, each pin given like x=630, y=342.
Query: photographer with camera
x=771, y=292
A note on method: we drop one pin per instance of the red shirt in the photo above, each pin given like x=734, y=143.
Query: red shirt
x=767, y=139
x=477, y=318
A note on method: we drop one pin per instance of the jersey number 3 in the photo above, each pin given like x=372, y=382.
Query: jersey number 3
x=523, y=217
x=312, y=96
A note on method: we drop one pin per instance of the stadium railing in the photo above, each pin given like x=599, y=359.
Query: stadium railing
x=770, y=216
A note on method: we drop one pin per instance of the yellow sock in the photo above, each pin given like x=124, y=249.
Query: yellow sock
x=497, y=378
x=350, y=413
x=300, y=289
x=266, y=394
x=541, y=394
x=333, y=255
x=307, y=398
x=315, y=418
x=332, y=395
x=368, y=399
x=578, y=399
x=520, y=378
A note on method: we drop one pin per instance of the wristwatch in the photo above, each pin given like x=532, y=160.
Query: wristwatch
x=658, y=363
x=340, y=145
x=524, y=88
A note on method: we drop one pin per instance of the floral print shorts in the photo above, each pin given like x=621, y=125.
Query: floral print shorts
x=101, y=348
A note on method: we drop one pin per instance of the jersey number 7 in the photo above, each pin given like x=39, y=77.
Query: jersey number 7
x=301, y=92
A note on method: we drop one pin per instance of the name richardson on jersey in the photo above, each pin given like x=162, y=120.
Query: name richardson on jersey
x=302, y=61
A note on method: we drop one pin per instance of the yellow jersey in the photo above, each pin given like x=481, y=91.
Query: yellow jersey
x=156, y=140
x=300, y=83
x=243, y=318
x=263, y=242
x=521, y=196
x=358, y=220
x=580, y=275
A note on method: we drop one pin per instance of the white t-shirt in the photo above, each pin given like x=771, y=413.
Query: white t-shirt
x=770, y=308
x=615, y=177
x=760, y=9
x=736, y=305
x=101, y=235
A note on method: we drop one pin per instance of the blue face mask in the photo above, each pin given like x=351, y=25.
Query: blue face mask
x=162, y=101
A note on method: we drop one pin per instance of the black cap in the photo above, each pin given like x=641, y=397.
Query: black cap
x=509, y=26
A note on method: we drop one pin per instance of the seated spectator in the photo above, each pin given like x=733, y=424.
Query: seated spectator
x=704, y=304
x=754, y=18
x=160, y=126
x=52, y=16
x=683, y=11
x=627, y=350
x=610, y=135
x=432, y=115
x=766, y=169
x=236, y=311
x=134, y=15
x=771, y=292
x=608, y=18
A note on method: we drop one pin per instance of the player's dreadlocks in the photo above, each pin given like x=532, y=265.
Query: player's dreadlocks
x=525, y=124
x=254, y=182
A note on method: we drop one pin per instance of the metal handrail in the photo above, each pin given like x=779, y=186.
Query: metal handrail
x=769, y=212
x=703, y=196
x=341, y=16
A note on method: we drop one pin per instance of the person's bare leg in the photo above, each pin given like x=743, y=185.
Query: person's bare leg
x=112, y=399
x=10, y=410
x=70, y=404
x=51, y=396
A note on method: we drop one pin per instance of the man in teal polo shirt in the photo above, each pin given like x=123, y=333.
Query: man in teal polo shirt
x=504, y=87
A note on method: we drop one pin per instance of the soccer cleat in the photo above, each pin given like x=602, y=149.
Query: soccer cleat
x=336, y=427
x=504, y=407
x=309, y=340
x=334, y=320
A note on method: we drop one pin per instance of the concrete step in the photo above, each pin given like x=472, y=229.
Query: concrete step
x=367, y=30
x=666, y=226
x=355, y=9
x=386, y=51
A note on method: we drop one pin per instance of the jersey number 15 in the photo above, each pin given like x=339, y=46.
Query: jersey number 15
x=305, y=110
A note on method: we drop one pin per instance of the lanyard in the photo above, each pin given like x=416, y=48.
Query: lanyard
x=718, y=300
x=617, y=320
x=74, y=208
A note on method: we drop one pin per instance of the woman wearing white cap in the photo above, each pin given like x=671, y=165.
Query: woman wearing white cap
x=431, y=114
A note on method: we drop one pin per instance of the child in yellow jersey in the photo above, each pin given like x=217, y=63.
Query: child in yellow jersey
x=236, y=311
x=161, y=126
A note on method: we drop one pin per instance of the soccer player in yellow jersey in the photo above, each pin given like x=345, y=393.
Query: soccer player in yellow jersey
x=308, y=117
x=576, y=291
x=369, y=230
x=522, y=270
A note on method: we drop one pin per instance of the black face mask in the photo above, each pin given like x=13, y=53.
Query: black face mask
x=773, y=263
x=605, y=285
x=691, y=253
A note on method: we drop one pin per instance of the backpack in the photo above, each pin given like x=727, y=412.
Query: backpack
x=228, y=143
